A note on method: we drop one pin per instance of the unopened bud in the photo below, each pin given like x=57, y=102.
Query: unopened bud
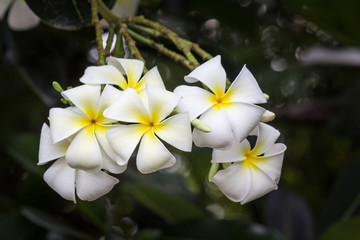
x=268, y=116
x=267, y=97
x=213, y=170
x=57, y=87
x=200, y=125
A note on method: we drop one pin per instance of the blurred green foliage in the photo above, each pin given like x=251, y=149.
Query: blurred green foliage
x=317, y=107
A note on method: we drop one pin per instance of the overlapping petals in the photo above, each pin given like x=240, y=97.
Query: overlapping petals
x=253, y=172
x=21, y=17
x=86, y=125
x=222, y=110
x=148, y=123
x=66, y=180
x=124, y=73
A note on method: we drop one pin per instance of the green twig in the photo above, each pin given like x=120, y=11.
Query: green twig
x=171, y=35
x=162, y=49
x=132, y=45
x=98, y=32
x=106, y=13
x=119, y=46
x=109, y=40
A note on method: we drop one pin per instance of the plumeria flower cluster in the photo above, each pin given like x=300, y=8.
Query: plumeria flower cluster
x=118, y=109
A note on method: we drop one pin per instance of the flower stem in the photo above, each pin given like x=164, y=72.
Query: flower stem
x=109, y=40
x=162, y=49
x=132, y=44
x=98, y=32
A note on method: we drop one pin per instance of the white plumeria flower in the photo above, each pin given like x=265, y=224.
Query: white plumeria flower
x=64, y=179
x=86, y=124
x=254, y=171
x=114, y=72
x=148, y=124
x=21, y=17
x=230, y=113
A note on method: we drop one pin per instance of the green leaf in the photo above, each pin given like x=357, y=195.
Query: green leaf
x=170, y=207
x=64, y=14
x=50, y=223
x=343, y=230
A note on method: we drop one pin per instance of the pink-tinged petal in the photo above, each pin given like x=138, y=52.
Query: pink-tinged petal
x=21, y=17
x=100, y=132
x=260, y=184
x=108, y=96
x=153, y=155
x=176, y=131
x=243, y=118
x=210, y=73
x=91, y=186
x=234, y=181
x=85, y=97
x=152, y=77
x=3, y=7
x=106, y=74
x=220, y=136
x=267, y=136
x=47, y=150
x=133, y=69
x=124, y=140
x=194, y=100
x=245, y=89
x=110, y=165
x=236, y=153
x=84, y=151
x=128, y=108
x=65, y=122
x=61, y=178
x=161, y=102
x=271, y=164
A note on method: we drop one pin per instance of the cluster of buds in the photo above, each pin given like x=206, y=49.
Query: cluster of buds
x=116, y=109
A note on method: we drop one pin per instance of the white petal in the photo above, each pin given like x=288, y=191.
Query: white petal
x=272, y=164
x=107, y=74
x=128, y=108
x=124, y=140
x=65, y=122
x=3, y=7
x=261, y=184
x=245, y=89
x=152, y=77
x=234, y=181
x=176, y=131
x=220, y=136
x=235, y=153
x=61, y=178
x=84, y=151
x=153, y=155
x=90, y=186
x=194, y=100
x=21, y=17
x=132, y=67
x=85, y=97
x=211, y=73
x=100, y=132
x=243, y=118
x=47, y=150
x=266, y=138
x=110, y=165
x=108, y=96
x=161, y=102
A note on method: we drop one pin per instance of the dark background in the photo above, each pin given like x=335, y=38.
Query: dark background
x=304, y=54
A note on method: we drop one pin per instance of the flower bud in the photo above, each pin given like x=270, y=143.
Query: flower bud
x=268, y=116
x=200, y=125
